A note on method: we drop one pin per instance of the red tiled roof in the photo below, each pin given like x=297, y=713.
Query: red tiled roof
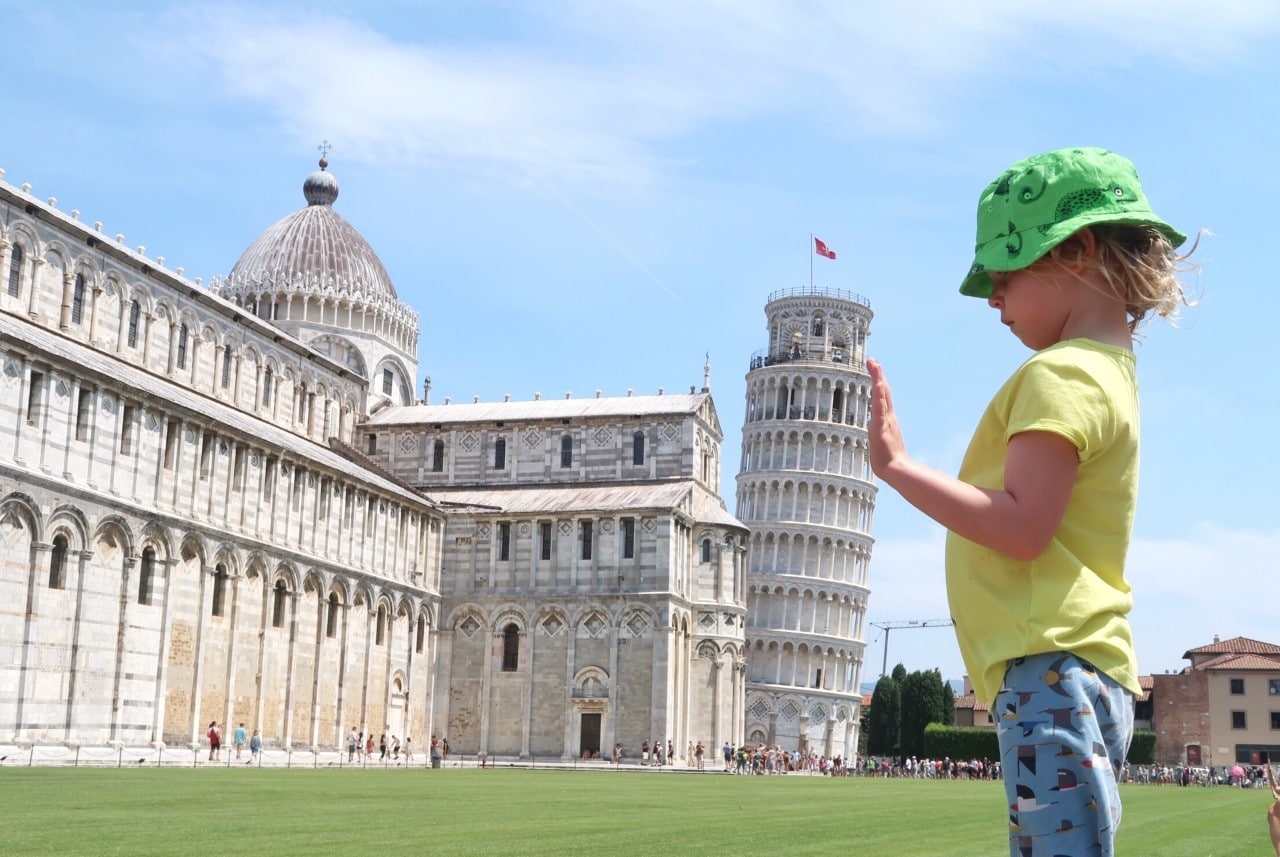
x=971, y=701
x=1242, y=662
x=1235, y=646
x=1146, y=682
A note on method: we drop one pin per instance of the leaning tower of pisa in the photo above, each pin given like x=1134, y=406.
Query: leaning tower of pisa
x=805, y=492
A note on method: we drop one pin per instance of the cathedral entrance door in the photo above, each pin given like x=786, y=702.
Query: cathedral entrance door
x=589, y=740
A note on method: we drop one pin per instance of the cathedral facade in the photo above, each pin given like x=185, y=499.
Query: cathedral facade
x=223, y=504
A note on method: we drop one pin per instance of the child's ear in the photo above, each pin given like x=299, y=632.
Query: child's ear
x=1078, y=251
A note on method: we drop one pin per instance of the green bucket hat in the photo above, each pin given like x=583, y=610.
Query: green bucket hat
x=1039, y=202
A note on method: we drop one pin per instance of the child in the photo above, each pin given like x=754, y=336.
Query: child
x=1039, y=518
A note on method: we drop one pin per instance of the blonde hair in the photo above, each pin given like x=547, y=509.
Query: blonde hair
x=1139, y=267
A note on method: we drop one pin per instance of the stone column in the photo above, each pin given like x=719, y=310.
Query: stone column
x=33, y=300
x=73, y=721
x=526, y=646
x=162, y=666
x=203, y=609
x=486, y=690
x=294, y=598
x=64, y=312
x=122, y=626
x=96, y=291
x=38, y=573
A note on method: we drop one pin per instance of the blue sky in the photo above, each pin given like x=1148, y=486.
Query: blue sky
x=593, y=195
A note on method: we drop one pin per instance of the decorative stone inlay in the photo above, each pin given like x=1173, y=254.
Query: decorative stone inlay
x=603, y=436
x=468, y=441
x=817, y=715
x=483, y=531
x=565, y=528
x=107, y=404
x=670, y=431
x=637, y=625
x=532, y=439
x=552, y=626
x=593, y=625
x=790, y=711
x=706, y=620
x=189, y=436
x=12, y=369
x=224, y=448
x=525, y=529
x=760, y=709
x=649, y=524
x=606, y=526
x=469, y=627
x=63, y=388
x=408, y=442
x=151, y=422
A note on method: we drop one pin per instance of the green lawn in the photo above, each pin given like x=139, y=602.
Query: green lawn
x=278, y=813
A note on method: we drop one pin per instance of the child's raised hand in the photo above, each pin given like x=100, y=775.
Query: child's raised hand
x=884, y=434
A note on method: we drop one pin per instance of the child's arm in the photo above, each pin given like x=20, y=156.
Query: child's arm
x=1018, y=521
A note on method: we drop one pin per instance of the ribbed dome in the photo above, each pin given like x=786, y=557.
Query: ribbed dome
x=315, y=247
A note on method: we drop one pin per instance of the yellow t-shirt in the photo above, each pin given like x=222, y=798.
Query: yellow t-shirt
x=1073, y=597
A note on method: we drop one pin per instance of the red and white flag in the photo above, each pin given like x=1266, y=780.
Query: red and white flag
x=822, y=249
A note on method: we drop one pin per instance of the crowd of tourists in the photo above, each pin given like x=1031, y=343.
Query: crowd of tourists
x=915, y=768
x=1240, y=776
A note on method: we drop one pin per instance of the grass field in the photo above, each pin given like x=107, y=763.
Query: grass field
x=275, y=813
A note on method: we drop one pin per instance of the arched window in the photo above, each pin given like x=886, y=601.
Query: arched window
x=219, y=606
x=146, y=575
x=637, y=448
x=135, y=312
x=817, y=327
x=380, y=633
x=421, y=638
x=331, y=618
x=706, y=550
x=15, y=271
x=58, y=563
x=183, y=333
x=77, y=300
x=437, y=457
x=267, y=380
x=566, y=451
x=510, y=648
x=278, y=607
x=500, y=454
x=226, y=367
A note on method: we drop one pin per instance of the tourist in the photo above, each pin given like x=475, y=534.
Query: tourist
x=215, y=741
x=1071, y=255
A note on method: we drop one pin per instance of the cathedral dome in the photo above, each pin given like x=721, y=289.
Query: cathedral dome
x=315, y=248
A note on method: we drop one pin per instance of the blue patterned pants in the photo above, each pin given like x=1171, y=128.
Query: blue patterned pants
x=1064, y=731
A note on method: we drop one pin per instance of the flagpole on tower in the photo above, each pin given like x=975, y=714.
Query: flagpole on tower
x=811, y=255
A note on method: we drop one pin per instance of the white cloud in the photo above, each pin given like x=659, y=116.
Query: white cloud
x=596, y=90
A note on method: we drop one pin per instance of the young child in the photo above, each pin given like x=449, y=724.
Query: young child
x=1039, y=518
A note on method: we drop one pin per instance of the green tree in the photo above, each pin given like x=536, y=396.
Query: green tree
x=883, y=723
x=923, y=703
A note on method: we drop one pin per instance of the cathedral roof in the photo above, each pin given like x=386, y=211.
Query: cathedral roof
x=315, y=248
x=541, y=409
x=623, y=497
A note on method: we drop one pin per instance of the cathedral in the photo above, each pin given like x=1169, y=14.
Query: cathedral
x=222, y=502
